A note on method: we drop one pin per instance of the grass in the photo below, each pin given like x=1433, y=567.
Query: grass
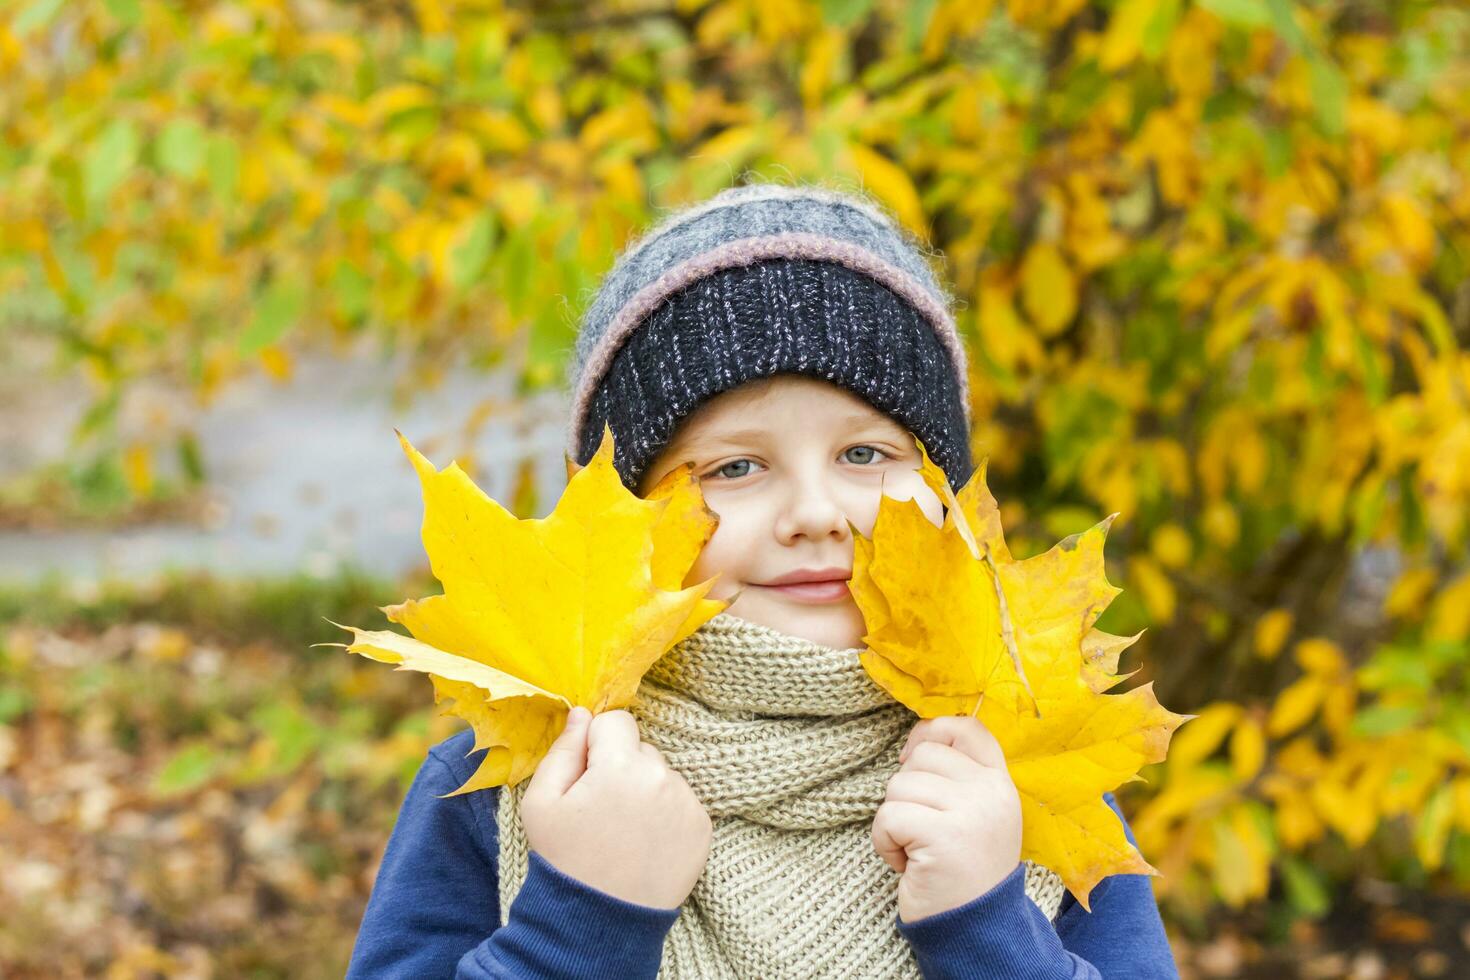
x=289, y=610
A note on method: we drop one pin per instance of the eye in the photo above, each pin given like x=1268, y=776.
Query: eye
x=866, y=454
x=725, y=471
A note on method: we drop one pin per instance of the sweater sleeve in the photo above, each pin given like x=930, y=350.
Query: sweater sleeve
x=1003, y=934
x=435, y=907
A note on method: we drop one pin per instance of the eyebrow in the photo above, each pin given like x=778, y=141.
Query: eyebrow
x=703, y=440
x=735, y=435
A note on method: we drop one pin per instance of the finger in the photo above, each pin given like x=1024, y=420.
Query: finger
x=922, y=788
x=566, y=759
x=896, y=827
x=919, y=733
x=964, y=732
x=611, y=739
x=942, y=760
x=652, y=752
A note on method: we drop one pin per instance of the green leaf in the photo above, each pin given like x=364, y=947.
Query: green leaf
x=1423, y=62
x=14, y=702
x=1375, y=385
x=1396, y=669
x=1283, y=18
x=1367, y=507
x=292, y=734
x=1329, y=96
x=1456, y=724
x=516, y=267
x=551, y=336
x=222, y=161
x=276, y=313
x=189, y=768
x=38, y=14
x=1458, y=856
x=352, y=290
x=1279, y=151
x=1432, y=829
x=917, y=15
x=1385, y=719
x=1413, y=522
x=1306, y=892
x=109, y=159
x=468, y=259
x=129, y=12
x=1159, y=28
x=100, y=415
x=191, y=458
x=181, y=148
x=1314, y=364
x=1243, y=13
x=845, y=13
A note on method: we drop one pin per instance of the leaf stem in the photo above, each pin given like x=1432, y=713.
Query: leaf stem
x=1007, y=633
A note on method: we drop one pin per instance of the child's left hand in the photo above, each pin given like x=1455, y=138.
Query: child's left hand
x=951, y=821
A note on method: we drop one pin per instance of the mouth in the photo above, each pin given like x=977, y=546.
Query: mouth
x=815, y=587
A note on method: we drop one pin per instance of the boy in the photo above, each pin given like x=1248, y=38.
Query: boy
x=764, y=809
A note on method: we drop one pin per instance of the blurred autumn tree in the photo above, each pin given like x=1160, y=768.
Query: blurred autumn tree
x=1211, y=258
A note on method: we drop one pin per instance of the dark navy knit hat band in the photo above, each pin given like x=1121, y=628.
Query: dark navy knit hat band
x=808, y=317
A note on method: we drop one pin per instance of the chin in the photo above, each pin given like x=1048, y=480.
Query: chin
x=839, y=626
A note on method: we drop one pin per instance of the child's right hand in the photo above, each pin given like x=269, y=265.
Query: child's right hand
x=605, y=808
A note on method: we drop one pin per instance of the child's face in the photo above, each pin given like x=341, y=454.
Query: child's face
x=786, y=462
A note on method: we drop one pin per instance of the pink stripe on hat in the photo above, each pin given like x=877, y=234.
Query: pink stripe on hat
x=744, y=251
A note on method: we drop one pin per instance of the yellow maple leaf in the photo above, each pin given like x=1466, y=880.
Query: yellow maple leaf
x=540, y=615
x=1048, y=289
x=956, y=626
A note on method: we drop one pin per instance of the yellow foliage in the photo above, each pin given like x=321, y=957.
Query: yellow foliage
x=1221, y=523
x=1242, y=856
x=1247, y=749
x=1296, y=705
x=1124, y=38
x=1048, y=289
x=1199, y=740
x=1272, y=630
x=818, y=69
x=138, y=468
x=891, y=185
x=1449, y=613
x=1159, y=596
x=1460, y=792
x=1432, y=828
x=277, y=362
x=1320, y=656
x=1266, y=219
x=1170, y=544
x=1406, y=600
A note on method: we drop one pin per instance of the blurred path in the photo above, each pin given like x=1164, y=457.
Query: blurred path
x=307, y=476
x=304, y=476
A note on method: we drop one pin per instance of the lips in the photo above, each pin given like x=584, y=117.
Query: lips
x=811, y=585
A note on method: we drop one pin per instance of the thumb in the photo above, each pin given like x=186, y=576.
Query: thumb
x=566, y=759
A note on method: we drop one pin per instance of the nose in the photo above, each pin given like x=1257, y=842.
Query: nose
x=812, y=511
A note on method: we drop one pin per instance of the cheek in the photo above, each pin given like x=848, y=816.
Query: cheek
x=725, y=553
x=862, y=510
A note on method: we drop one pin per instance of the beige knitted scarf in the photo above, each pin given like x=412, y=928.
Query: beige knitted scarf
x=789, y=745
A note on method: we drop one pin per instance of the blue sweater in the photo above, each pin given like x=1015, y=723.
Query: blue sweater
x=435, y=910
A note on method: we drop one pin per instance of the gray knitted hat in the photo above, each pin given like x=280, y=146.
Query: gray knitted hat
x=760, y=280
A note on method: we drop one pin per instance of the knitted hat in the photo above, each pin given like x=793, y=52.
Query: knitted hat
x=761, y=280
